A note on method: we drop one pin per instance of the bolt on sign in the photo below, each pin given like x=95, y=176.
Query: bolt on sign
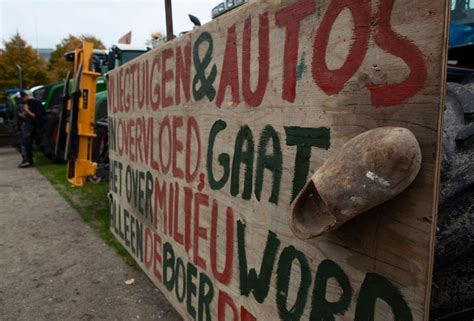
x=213, y=136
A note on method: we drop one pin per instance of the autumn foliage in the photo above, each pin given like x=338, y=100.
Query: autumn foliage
x=58, y=66
x=36, y=71
x=17, y=51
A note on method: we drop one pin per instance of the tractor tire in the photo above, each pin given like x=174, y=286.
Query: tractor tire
x=453, y=275
x=49, y=136
x=468, y=80
x=102, y=110
x=452, y=293
x=99, y=143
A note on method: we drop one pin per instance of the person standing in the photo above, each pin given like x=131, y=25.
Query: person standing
x=33, y=122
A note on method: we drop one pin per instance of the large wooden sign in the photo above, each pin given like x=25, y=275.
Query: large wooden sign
x=213, y=135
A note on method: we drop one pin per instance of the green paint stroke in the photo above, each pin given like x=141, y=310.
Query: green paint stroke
x=180, y=269
x=223, y=158
x=206, y=294
x=376, y=287
x=301, y=68
x=243, y=157
x=249, y=280
x=287, y=257
x=168, y=266
x=322, y=309
x=206, y=88
x=304, y=139
x=272, y=162
x=191, y=289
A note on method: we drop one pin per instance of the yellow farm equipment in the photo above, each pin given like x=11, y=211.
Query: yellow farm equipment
x=77, y=117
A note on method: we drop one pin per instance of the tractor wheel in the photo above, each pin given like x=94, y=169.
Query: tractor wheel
x=452, y=291
x=102, y=110
x=50, y=135
x=99, y=144
x=95, y=179
x=453, y=276
x=468, y=80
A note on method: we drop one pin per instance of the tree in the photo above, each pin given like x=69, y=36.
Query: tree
x=17, y=51
x=58, y=66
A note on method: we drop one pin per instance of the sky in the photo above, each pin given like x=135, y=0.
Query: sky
x=43, y=23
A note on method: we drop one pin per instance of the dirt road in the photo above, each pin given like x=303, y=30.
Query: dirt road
x=54, y=267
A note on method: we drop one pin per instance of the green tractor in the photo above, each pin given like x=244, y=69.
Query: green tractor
x=52, y=95
x=9, y=124
x=118, y=55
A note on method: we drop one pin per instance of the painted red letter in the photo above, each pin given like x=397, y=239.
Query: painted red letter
x=230, y=70
x=393, y=43
x=290, y=17
x=226, y=275
x=332, y=81
x=254, y=98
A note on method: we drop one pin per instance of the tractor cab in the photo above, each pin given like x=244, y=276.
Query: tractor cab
x=461, y=41
x=117, y=56
x=226, y=6
x=120, y=54
x=99, y=59
x=462, y=12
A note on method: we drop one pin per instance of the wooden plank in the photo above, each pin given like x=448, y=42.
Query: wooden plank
x=213, y=134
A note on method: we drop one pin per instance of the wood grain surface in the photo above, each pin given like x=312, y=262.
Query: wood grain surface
x=213, y=135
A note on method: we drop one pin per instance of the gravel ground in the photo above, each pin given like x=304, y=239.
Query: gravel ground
x=54, y=267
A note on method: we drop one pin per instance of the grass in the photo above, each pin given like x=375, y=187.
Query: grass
x=90, y=202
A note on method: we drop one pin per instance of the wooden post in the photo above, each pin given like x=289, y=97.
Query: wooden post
x=20, y=75
x=169, y=20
